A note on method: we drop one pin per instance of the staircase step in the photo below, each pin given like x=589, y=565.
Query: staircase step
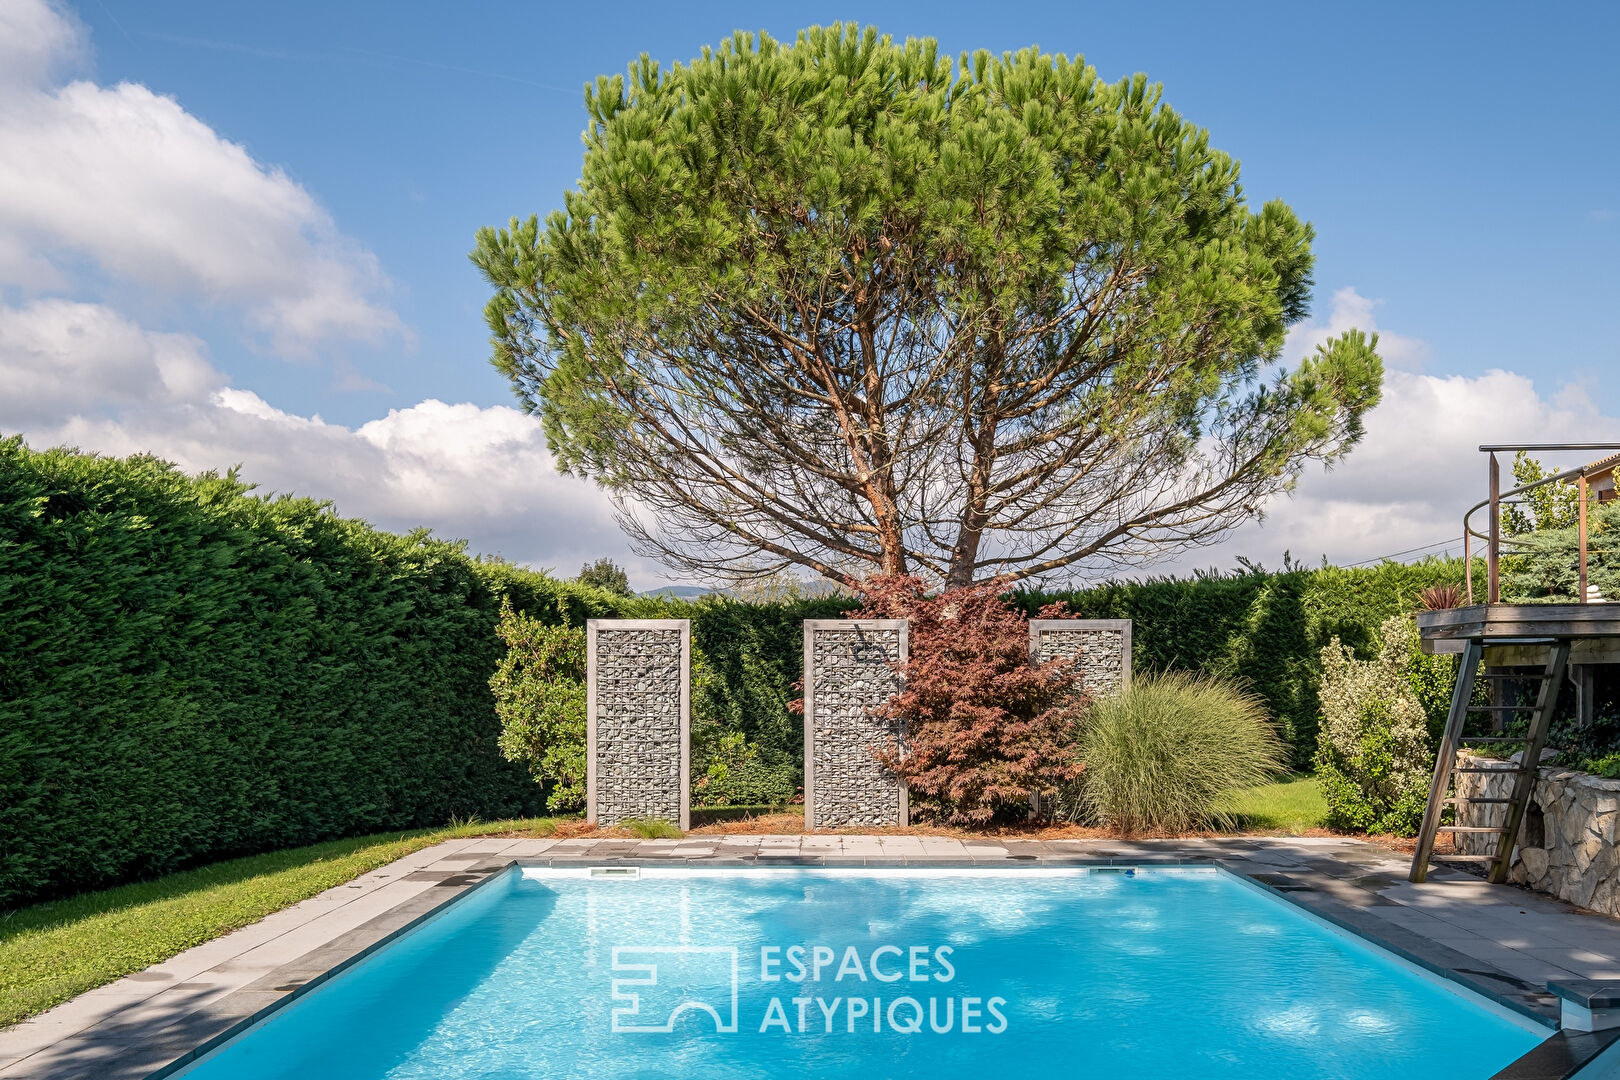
x=1465, y=858
x=1471, y=828
x=1454, y=800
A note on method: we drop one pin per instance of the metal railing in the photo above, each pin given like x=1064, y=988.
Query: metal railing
x=1499, y=498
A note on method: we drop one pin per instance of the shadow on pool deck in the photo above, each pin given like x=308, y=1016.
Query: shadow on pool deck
x=1498, y=940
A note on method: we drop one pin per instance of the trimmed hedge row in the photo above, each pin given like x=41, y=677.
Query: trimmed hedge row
x=747, y=660
x=188, y=672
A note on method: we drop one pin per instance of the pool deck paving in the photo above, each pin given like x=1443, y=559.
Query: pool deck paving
x=1501, y=941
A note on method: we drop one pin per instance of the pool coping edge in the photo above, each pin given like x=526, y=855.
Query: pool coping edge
x=355, y=945
x=180, y=1044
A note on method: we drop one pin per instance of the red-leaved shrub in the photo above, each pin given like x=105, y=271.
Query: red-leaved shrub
x=985, y=726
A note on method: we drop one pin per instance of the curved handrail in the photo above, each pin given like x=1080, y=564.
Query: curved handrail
x=1497, y=499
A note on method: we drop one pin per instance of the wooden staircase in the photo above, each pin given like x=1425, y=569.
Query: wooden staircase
x=1457, y=737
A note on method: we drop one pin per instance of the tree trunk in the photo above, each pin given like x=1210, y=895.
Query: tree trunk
x=963, y=555
x=975, y=504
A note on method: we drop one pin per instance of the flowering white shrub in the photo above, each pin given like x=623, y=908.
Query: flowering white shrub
x=1375, y=750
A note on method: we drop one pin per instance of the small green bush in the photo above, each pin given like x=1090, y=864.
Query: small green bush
x=729, y=771
x=539, y=687
x=1379, y=730
x=1607, y=766
x=1169, y=753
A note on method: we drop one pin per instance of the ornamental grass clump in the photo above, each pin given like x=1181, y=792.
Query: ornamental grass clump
x=1166, y=754
x=651, y=828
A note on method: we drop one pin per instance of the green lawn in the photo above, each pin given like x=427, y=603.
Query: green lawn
x=51, y=952
x=1293, y=806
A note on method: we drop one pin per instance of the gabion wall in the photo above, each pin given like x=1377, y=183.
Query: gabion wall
x=849, y=668
x=1102, y=648
x=638, y=720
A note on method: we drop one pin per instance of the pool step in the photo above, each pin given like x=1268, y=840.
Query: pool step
x=1441, y=789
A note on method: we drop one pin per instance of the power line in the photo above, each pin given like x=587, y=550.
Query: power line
x=1408, y=551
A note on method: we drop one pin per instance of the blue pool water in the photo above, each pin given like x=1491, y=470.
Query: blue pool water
x=834, y=974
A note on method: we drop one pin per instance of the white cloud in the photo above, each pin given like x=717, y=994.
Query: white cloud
x=120, y=184
x=1410, y=479
x=36, y=39
x=1352, y=311
x=58, y=357
x=80, y=375
x=128, y=181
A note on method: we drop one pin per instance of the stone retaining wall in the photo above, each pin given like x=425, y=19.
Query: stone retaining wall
x=1101, y=647
x=638, y=720
x=849, y=669
x=1567, y=843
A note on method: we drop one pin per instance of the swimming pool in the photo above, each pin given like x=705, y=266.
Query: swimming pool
x=790, y=972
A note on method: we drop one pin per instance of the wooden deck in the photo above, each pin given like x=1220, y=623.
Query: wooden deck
x=1592, y=629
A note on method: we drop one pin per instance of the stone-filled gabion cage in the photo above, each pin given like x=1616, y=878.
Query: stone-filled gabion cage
x=638, y=720
x=851, y=666
x=1100, y=647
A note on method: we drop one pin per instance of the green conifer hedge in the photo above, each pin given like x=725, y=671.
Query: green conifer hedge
x=189, y=671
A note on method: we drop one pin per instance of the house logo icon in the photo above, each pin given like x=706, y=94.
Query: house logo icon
x=655, y=984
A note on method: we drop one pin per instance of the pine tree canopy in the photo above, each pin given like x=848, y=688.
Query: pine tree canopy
x=847, y=305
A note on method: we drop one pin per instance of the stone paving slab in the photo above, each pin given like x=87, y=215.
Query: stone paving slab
x=1499, y=940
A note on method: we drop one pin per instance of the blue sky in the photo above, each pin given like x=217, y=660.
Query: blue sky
x=1458, y=161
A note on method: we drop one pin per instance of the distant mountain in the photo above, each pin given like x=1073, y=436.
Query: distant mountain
x=803, y=588
x=678, y=592
x=817, y=587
